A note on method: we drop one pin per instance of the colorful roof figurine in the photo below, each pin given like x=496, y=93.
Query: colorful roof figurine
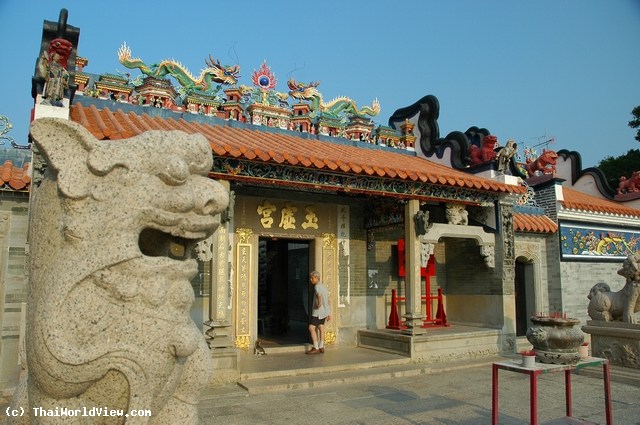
x=336, y=107
x=207, y=82
x=264, y=78
x=264, y=92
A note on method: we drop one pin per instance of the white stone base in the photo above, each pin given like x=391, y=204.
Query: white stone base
x=43, y=111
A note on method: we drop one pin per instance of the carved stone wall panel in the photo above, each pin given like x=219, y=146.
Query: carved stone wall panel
x=507, y=235
x=619, y=342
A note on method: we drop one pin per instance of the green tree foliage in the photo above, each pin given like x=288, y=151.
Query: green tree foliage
x=622, y=166
x=635, y=122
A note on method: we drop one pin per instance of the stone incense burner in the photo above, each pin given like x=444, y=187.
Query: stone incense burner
x=556, y=339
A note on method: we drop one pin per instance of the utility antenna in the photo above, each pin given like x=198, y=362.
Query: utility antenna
x=544, y=141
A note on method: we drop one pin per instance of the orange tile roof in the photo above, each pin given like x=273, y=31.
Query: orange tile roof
x=16, y=177
x=533, y=223
x=575, y=200
x=280, y=148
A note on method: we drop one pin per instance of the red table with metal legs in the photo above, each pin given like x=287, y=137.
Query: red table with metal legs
x=539, y=369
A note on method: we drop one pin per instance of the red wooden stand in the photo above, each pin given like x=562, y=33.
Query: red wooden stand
x=438, y=321
x=440, y=318
x=541, y=368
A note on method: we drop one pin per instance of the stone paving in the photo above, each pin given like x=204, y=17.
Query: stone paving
x=459, y=397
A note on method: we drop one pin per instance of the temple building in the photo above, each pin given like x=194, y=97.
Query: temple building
x=415, y=235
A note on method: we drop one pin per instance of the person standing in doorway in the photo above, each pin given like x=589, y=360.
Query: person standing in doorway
x=320, y=313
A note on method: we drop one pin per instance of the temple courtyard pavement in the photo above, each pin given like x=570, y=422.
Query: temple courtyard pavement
x=357, y=386
x=447, y=393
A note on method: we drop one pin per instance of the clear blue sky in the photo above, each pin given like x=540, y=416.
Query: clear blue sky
x=526, y=70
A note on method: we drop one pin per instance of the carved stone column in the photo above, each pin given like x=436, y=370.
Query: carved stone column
x=413, y=296
x=508, y=263
x=219, y=334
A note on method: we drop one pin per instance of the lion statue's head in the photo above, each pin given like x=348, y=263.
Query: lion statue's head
x=598, y=288
x=631, y=268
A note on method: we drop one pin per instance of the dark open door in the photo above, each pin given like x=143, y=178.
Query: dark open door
x=283, y=291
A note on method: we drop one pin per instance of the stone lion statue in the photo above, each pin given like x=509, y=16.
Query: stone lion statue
x=457, y=214
x=112, y=229
x=622, y=305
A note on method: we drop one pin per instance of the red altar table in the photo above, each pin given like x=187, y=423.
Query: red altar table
x=539, y=369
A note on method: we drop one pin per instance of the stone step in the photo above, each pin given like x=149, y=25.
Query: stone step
x=300, y=366
x=437, y=344
x=625, y=375
x=300, y=348
x=277, y=381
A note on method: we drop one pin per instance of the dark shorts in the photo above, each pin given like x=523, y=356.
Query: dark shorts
x=317, y=322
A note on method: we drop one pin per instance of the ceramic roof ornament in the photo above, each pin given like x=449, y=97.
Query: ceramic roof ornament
x=215, y=73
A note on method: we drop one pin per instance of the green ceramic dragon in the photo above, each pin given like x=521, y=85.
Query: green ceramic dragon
x=335, y=107
x=206, y=82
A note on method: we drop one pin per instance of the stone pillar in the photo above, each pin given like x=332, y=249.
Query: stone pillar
x=505, y=263
x=224, y=356
x=219, y=320
x=413, y=281
x=220, y=333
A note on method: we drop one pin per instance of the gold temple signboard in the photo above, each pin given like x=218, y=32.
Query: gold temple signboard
x=221, y=287
x=243, y=287
x=288, y=217
x=330, y=280
x=285, y=217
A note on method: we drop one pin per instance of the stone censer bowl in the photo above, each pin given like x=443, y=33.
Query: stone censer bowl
x=556, y=339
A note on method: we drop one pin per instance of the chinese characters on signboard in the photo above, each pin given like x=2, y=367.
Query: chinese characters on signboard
x=243, y=263
x=222, y=284
x=286, y=216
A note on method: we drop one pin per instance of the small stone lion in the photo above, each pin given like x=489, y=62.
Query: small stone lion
x=457, y=214
x=610, y=306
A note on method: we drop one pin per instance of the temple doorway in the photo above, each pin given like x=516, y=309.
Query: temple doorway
x=283, y=291
x=524, y=297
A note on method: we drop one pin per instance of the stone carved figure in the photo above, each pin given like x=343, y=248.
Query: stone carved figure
x=489, y=255
x=505, y=155
x=609, y=306
x=421, y=220
x=457, y=214
x=113, y=226
x=545, y=163
x=426, y=251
